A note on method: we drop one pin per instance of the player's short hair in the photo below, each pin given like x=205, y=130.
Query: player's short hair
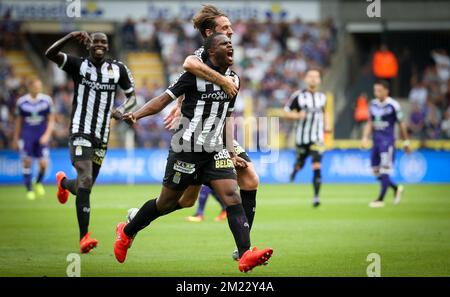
x=209, y=42
x=314, y=69
x=32, y=80
x=206, y=18
x=383, y=83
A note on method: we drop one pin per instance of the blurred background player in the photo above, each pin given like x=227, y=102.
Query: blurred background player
x=385, y=112
x=203, y=197
x=33, y=128
x=96, y=79
x=308, y=108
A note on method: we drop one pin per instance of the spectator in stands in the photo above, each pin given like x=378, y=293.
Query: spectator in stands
x=6, y=124
x=445, y=125
x=416, y=122
x=129, y=34
x=145, y=34
x=384, y=64
x=432, y=121
x=418, y=93
x=442, y=61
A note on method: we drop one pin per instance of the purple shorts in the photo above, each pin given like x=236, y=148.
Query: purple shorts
x=383, y=156
x=31, y=148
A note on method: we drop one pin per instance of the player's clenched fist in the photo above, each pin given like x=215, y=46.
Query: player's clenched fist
x=82, y=37
x=129, y=118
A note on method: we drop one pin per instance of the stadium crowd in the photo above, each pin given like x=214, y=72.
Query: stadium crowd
x=269, y=56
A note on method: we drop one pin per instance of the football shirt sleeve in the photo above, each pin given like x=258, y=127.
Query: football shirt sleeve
x=126, y=81
x=292, y=104
x=183, y=84
x=71, y=64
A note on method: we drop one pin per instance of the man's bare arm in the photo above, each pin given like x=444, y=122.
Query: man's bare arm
x=17, y=128
x=193, y=65
x=366, y=133
x=152, y=107
x=404, y=136
x=54, y=54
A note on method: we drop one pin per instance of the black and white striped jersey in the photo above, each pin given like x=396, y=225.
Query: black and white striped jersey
x=204, y=111
x=311, y=128
x=94, y=93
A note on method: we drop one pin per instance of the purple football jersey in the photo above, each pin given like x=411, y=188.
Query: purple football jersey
x=34, y=114
x=384, y=115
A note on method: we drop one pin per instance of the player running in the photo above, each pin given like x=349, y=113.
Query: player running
x=307, y=107
x=96, y=80
x=197, y=154
x=33, y=127
x=385, y=112
x=210, y=20
x=203, y=197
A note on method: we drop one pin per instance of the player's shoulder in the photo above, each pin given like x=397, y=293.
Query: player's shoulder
x=200, y=53
x=297, y=93
x=393, y=102
x=117, y=62
x=45, y=97
x=22, y=99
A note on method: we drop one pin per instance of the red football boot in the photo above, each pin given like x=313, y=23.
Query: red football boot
x=87, y=243
x=252, y=258
x=62, y=194
x=122, y=244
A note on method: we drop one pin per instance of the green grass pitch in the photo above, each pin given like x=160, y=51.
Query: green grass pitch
x=413, y=238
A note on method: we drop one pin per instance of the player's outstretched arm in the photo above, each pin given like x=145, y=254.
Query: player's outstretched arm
x=292, y=115
x=54, y=54
x=172, y=119
x=152, y=107
x=193, y=65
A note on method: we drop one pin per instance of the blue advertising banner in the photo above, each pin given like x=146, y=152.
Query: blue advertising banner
x=338, y=166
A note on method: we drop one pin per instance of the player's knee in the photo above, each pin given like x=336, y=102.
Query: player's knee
x=231, y=197
x=27, y=163
x=249, y=182
x=85, y=181
x=316, y=165
x=186, y=201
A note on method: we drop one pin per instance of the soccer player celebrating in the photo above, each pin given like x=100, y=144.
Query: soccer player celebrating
x=197, y=154
x=96, y=79
x=33, y=128
x=384, y=114
x=210, y=20
x=308, y=108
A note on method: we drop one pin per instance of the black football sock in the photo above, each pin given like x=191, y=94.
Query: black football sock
x=40, y=175
x=317, y=180
x=83, y=210
x=237, y=221
x=384, y=180
x=249, y=205
x=70, y=184
x=146, y=214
